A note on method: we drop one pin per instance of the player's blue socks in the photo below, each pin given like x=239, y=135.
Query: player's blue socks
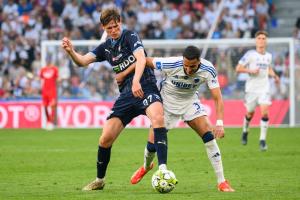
x=103, y=160
x=161, y=144
x=150, y=147
x=208, y=136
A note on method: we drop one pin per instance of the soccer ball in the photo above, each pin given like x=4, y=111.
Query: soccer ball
x=164, y=181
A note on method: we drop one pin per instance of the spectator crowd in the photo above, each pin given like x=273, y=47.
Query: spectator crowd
x=25, y=23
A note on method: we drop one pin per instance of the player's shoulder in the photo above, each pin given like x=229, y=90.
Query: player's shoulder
x=208, y=67
x=169, y=62
x=129, y=33
x=251, y=52
x=268, y=54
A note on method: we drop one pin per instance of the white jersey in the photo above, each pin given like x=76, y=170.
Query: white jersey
x=178, y=89
x=253, y=60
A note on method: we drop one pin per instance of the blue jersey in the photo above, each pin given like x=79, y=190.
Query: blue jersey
x=119, y=53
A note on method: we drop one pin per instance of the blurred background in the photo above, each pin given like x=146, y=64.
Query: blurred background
x=25, y=24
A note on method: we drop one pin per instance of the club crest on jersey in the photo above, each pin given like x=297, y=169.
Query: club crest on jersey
x=196, y=80
x=158, y=65
x=117, y=57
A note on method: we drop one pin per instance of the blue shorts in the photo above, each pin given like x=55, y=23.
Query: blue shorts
x=128, y=107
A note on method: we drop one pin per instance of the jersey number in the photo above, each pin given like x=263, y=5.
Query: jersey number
x=148, y=100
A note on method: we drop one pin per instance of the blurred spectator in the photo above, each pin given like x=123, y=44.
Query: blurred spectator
x=24, y=24
x=297, y=29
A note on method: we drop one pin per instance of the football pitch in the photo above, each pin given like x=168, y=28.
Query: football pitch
x=37, y=164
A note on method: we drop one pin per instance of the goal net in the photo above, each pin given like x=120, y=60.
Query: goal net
x=223, y=53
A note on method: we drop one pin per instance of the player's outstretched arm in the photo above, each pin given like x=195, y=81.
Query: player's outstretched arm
x=80, y=60
x=122, y=75
x=139, y=70
x=217, y=96
x=273, y=75
x=242, y=69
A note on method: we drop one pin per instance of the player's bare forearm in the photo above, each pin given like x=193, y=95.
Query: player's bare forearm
x=149, y=62
x=122, y=75
x=80, y=60
x=140, y=65
x=273, y=75
x=242, y=69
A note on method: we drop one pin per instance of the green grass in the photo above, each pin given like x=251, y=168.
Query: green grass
x=36, y=164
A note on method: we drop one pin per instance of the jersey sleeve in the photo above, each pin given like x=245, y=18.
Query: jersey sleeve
x=167, y=65
x=245, y=59
x=134, y=41
x=212, y=81
x=99, y=52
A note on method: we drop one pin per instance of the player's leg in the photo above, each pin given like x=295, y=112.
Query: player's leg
x=155, y=113
x=246, y=122
x=203, y=128
x=52, y=114
x=250, y=104
x=149, y=155
x=53, y=110
x=264, y=101
x=111, y=131
x=264, y=122
x=46, y=103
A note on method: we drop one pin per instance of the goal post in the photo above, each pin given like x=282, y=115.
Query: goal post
x=216, y=50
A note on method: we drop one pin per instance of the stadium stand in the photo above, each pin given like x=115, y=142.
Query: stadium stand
x=24, y=24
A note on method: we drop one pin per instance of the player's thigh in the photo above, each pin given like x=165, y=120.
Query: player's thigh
x=111, y=130
x=264, y=101
x=155, y=113
x=251, y=101
x=200, y=125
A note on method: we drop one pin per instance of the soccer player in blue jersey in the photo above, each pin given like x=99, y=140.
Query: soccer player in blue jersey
x=138, y=92
x=183, y=77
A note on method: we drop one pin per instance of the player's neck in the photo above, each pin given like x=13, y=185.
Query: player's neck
x=261, y=50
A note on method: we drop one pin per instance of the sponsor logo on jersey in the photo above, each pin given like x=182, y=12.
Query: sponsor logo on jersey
x=123, y=65
x=181, y=84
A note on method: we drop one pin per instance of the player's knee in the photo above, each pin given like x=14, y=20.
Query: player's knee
x=157, y=121
x=105, y=142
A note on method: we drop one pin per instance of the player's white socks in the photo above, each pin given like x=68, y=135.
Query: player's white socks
x=162, y=167
x=263, y=129
x=148, y=158
x=214, y=155
x=246, y=124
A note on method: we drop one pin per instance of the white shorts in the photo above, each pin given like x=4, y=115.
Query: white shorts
x=254, y=99
x=192, y=111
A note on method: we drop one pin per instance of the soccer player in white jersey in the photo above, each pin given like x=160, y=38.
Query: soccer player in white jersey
x=257, y=63
x=184, y=75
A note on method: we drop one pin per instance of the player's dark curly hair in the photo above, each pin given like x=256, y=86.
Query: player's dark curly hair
x=191, y=53
x=110, y=14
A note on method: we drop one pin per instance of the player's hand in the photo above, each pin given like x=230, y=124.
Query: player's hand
x=219, y=132
x=120, y=78
x=137, y=89
x=277, y=79
x=254, y=71
x=67, y=45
